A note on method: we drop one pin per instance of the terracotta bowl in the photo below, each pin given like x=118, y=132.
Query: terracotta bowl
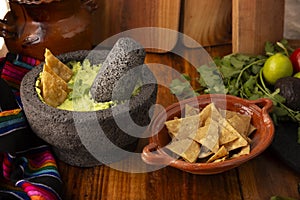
x=154, y=153
x=60, y=128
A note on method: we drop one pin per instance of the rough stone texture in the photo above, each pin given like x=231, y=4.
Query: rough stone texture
x=60, y=127
x=125, y=55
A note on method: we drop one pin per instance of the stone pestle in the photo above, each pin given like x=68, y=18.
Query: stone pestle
x=110, y=83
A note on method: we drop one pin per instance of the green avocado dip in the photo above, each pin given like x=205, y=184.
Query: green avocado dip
x=80, y=99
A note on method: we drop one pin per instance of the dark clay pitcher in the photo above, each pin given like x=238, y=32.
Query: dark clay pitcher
x=59, y=25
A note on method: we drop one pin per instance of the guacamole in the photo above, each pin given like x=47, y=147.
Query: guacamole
x=79, y=97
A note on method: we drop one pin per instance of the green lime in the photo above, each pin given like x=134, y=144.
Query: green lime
x=277, y=66
x=297, y=75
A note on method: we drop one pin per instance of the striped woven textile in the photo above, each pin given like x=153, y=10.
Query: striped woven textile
x=28, y=170
x=11, y=120
x=15, y=67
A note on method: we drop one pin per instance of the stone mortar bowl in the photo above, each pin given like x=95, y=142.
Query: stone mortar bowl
x=66, y=130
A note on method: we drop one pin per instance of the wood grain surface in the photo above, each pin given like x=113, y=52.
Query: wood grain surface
x=115, y=16
x=260, y=178
x=207, y=22
x=254, y=22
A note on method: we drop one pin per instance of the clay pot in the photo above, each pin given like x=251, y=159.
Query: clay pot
x=60, y=127
x=59, y=25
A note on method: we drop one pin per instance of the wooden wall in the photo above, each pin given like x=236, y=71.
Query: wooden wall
x=115, y=16
x=255, y=22
x=208, y=22
x=244, y=24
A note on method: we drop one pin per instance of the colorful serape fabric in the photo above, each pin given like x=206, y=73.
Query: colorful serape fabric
x=15, y=67
x=28, y=169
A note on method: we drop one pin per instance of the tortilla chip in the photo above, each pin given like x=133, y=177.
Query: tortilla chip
x=229, y=114
x=188, y=126
x=52, y=90
x=205, y=114
x=173, y=126
x=215, y=135
x=227, y=133
x=241, y=139
x=183, y=127
x=209, y=128
x=244, y=151
x=204, y=152
x=190, y=111
x=220, y=159
x=226, y=136
x=60, y=81
x=240, y=123
x=251, y=129
x=199, y=134
x=186, y=148
x=211, y=139
x=57, y=66
x=222, y=152
x=240, y=142
x=215, y=114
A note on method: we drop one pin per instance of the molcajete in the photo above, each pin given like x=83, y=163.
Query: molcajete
x=75, y=136
x=60, y=25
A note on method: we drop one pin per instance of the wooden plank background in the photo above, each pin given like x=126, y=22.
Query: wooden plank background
x=246, y=24
x=254, y=23
x=115, y=16
x=207, y=22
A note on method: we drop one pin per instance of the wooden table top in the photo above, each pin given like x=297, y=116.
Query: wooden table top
x=259, y=178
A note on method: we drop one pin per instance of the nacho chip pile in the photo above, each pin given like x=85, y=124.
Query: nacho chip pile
x=211, y=135
x=55, y=75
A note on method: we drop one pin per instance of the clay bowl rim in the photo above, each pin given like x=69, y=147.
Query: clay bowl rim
x=146, y=91
x=154, y=154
